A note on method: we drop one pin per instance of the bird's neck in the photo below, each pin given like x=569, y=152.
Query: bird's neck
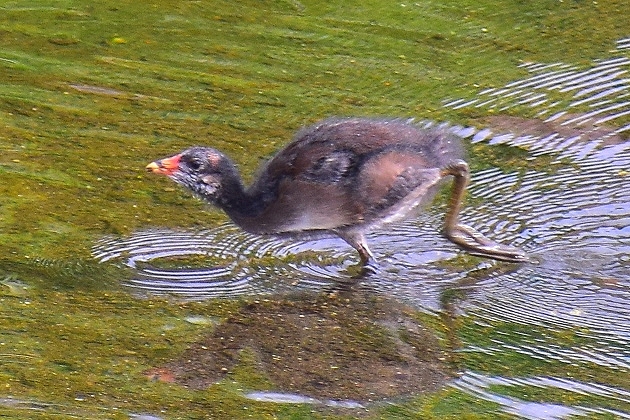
x=238, y=202
x=246, y=206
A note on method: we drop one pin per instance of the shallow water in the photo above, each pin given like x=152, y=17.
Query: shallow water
x=109, y=277
x=570, y=213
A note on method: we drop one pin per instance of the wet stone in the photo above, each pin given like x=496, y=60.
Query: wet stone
x=348, y=346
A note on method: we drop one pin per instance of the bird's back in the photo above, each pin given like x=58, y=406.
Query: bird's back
x=363, y=137
x=344, y=172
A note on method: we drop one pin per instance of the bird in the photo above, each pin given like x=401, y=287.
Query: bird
x=344, y=177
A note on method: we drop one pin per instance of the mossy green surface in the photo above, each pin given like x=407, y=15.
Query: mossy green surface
x=90, y=93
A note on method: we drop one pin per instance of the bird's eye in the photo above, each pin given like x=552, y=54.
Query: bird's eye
x=195, y=164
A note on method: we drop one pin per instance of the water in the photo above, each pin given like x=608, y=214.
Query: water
x=567, y=206
x=479, y=385
x=88, y=99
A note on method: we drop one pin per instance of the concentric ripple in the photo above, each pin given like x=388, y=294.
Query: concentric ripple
x=193, y=264
x=225, y=261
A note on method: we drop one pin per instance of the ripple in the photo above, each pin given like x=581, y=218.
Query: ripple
x=233, y=263
x=623, y=44
x=286, y=398
x=479, y=385
x=576, y=124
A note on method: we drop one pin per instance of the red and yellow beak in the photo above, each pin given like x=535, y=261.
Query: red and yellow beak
x=166, y=166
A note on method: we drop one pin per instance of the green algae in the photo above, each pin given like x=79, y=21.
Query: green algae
x=448, y=404
x=91, y=93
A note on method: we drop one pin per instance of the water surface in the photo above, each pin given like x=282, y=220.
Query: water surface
x=567, y=206
x=111, y=280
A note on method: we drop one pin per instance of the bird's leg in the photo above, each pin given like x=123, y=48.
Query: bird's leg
x=357, y=240
x=366, y=255
x=466, y=236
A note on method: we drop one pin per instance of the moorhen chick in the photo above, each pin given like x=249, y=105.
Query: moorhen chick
x=342, y=176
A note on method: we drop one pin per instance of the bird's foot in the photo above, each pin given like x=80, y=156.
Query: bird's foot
x=477, y=244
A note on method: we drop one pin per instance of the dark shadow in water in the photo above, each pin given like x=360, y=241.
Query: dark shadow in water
x=349, y=346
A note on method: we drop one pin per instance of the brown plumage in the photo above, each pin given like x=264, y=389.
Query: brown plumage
x=339, y=176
